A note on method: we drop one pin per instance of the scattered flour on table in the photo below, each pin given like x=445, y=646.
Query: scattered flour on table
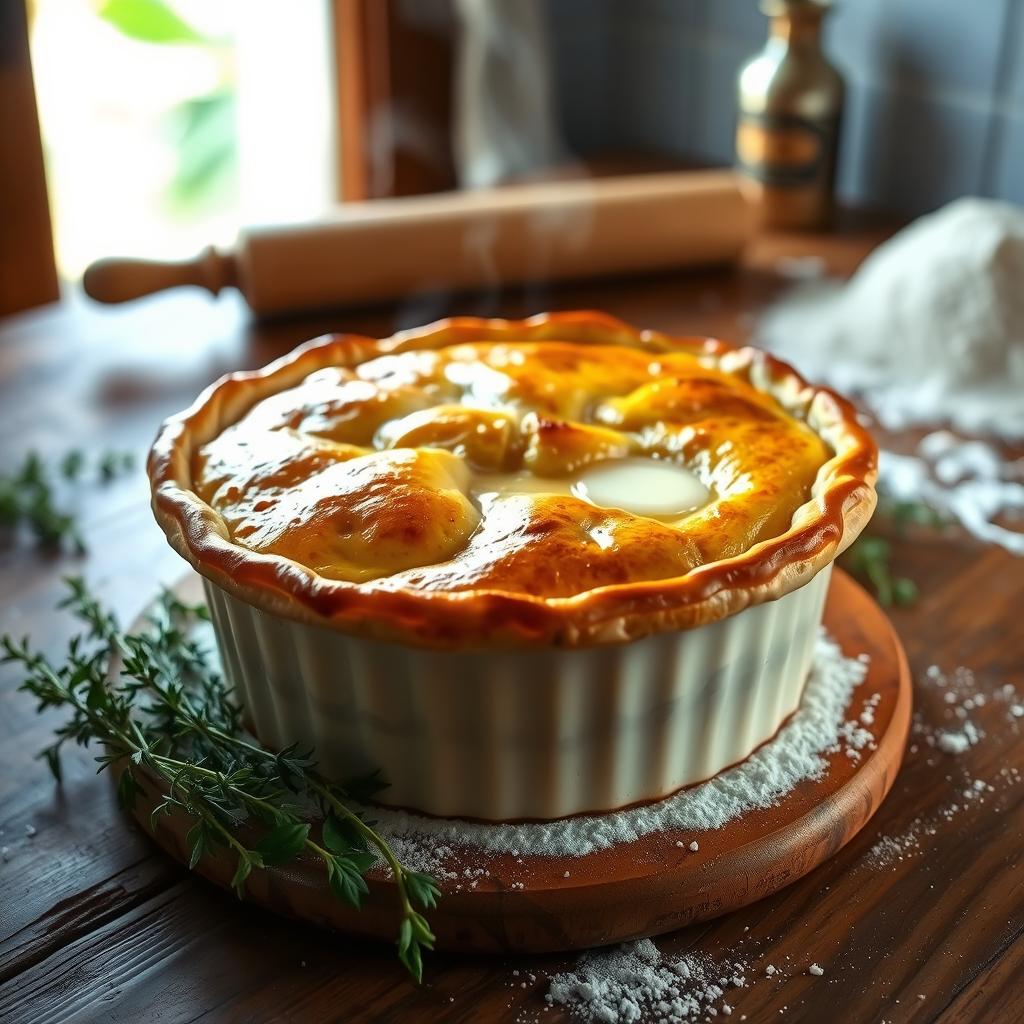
x=944, y=728
x=818, y=729
x=890, y=850
x=963, y=480
x=634, y=982
x=961, y=697
x=930, y=327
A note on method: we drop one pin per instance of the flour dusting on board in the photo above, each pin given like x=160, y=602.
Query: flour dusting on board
x=819, y=728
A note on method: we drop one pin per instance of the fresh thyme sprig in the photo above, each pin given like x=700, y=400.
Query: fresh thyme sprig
x=168, y=718
x=869, y=558
x=28, y=495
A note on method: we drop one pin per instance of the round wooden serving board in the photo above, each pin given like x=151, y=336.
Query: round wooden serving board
x=634, y=890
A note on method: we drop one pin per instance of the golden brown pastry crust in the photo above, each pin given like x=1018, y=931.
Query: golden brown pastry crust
x=496, y=592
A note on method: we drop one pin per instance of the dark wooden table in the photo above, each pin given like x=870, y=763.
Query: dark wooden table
x=96, y=923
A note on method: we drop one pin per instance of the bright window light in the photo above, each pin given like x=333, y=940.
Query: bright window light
x=168, y=124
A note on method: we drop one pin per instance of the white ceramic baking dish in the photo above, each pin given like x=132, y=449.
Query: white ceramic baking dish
x=505, y=734
x=500, y=705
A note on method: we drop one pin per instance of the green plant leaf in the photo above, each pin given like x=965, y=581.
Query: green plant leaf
x=72, y=463
x=361, y=861
x=346, y=880
x=412, y=958
x=97, y=694
x=341, y=836
x=196, y=839
x=904, y=591
x=365, y=787
x=282, y=843
x=204, y=134
x=52, y=757
x=422, y=889
x=421, y=931
x=242, y=872
x=149, y=21
x=161, y=809
x=127, y=790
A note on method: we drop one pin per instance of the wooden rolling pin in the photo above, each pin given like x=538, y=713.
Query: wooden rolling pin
x=391, y=248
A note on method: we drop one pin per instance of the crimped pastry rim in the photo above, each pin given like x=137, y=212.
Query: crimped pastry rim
x=842, y=502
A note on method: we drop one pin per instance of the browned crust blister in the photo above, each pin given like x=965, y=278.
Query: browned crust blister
x=841, y=501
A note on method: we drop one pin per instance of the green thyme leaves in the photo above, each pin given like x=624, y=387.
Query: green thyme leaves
x=167, y=723
x=37, y=497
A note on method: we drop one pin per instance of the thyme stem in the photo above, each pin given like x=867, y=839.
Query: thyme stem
x=168, y=716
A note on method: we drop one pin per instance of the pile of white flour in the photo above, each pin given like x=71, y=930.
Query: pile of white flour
x=929, y=330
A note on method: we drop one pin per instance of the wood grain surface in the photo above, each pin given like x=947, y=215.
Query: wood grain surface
x=919, y=918
x=651, y=886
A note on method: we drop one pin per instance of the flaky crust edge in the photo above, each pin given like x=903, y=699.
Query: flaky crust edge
x=842, y=502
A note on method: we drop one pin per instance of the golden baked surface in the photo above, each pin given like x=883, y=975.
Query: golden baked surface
x=449, y=469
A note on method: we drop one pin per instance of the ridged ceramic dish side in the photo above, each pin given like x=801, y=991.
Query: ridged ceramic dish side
x=523, y=733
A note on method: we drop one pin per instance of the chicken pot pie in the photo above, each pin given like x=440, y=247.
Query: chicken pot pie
x=526, y=569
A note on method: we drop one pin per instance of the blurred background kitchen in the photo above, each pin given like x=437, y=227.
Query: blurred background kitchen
x=168, y=124
x=459, y=148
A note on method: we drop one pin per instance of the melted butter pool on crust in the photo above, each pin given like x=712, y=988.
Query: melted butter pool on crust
x=645, y=487
x=654, y=488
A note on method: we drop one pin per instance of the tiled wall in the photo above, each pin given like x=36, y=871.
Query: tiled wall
x=935, y=88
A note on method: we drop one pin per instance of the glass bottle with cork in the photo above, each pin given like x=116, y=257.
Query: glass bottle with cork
x=790, y=101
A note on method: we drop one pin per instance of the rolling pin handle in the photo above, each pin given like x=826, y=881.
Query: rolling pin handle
x=118, y=279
